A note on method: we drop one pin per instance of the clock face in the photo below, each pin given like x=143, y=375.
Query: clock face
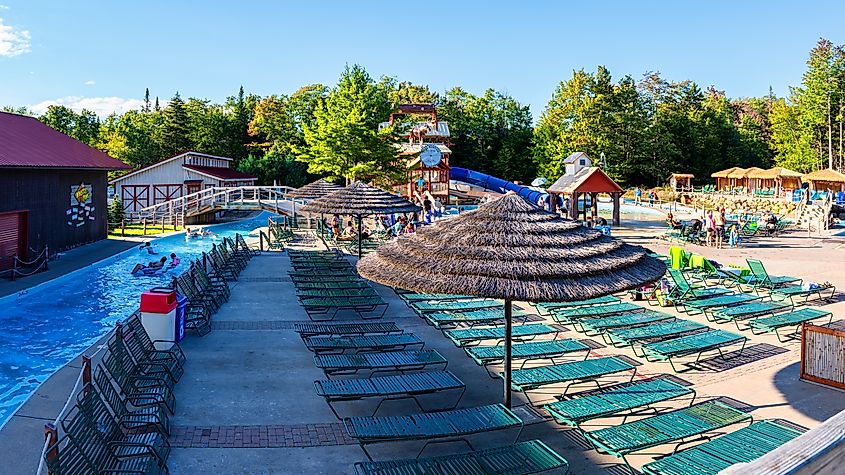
x=430, y=155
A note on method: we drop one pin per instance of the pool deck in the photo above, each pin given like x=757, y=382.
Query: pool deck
x=246, y=403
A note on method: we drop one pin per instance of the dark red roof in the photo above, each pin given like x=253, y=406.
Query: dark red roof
x=26, y=142
x=219, y=172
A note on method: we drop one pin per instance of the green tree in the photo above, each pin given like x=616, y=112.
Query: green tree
x=83, y=126
x=173, y=135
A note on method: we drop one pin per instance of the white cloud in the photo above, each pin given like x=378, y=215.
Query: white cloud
x=102, y=106
x=90, y=82
x=3, y=7
x=13, y=41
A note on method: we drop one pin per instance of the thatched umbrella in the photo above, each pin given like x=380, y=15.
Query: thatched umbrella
x=512, y=250
x=312, y=191
x=360, y=199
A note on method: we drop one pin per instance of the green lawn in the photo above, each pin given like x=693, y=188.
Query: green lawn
x=138, y=230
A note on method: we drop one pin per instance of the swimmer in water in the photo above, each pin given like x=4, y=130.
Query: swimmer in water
x=154, y=265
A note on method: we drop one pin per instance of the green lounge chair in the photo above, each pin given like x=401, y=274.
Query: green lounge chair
x=759, y=278
x=362, y=343
x=417, y=297
x=393, y=387
x=696, y=344
x=454, y=424
x=740, y=446
x=365, y=307
x=379, y=362
x=796, y=291
x=574, y=372
x=776, y=322
x=311, y=329
x=427, y=306
x=683, y=291
x=670, y=427
x=520, y=333
x=546, y=308
x=573, y=315
x=705, y=306
x=311, y=278
x=341, y=285
x=622, y=337
x=335, y=293
x=624, y=398
x=597, y=326
x=522, y=458
x=740, y=312
x=539, y=350
x=478, y=317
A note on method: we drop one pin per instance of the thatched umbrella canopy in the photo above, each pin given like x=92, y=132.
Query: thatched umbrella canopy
x=314, y=190
x=360, y=199
x=512, y=250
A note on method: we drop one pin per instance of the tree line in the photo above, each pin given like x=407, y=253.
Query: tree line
x=646, y=127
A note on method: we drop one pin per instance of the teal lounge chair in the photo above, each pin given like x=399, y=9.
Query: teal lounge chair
x=539, y=350
x=362, y=343
x=522, y=458
x=379, y=362
x=393, y=387
x=546, y=308
x=776, y=322
x=574, y=372
x=306, y=330
x=336, y=293
x=740, y=446
x=797, y=291
x=454, y=424
x=621, y=337
x=417, y=297
x=573, y=315
x=705, y=306
x=683, y=291
x=477, y=317
x=427, y=306
x=366, y=307
x=696, y=344
x=519, y=333
x=340, y=285
x=671, y=427
x=740, y=312
x=626, y=398
x=759, y=278
x=598, y=326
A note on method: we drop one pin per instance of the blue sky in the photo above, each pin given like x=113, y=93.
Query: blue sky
x=102, y=54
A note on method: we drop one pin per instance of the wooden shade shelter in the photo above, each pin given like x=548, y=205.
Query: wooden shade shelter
x=739, y=177
x=586, y=181
x=314, y=190
x=722, y=180
x=823, y=180
x=511, y=249
x=783, y=179
x=360, y=199
x=681, y=181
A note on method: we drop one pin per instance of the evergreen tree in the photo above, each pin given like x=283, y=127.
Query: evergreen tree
x=146, y=107
x=174, y=136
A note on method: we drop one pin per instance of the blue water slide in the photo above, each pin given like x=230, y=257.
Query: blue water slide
x=495, y=184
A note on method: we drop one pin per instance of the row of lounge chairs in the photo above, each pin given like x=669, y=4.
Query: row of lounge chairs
x=120, y=422
x=354, y=357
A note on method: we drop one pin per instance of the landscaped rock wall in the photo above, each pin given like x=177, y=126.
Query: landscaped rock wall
x=737, y=204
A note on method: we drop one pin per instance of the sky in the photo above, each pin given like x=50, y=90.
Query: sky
x=101, y=55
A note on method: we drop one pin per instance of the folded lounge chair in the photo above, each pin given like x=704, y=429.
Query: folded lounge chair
x=621, y=337
x=597, y=311
x=393, y=387
x=522, y=458
x=776, y=322
x=454, y=424
x=759, y=278
x=696, y=344
x=626, y=398
x=740, y=446
x=362, y=343
x=535, y=350
x=597, y=326
x=365, y=307
x=520, y=333
x=476, y=317
x=379, y=362
x=574, y=372
x=310, y=329
x=546, y=308
x=796, y=291
x=744, y=311
x=675, y=426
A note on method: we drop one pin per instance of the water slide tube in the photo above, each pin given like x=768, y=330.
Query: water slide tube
x=495, y=184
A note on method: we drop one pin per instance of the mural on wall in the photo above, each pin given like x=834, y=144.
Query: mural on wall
x=81, y=208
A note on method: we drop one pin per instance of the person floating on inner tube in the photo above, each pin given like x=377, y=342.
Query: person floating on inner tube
x=154, y=266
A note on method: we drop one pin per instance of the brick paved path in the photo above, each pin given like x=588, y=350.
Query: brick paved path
x=264, y=436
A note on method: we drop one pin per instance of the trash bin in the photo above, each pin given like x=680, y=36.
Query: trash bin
x=158, y=315
x=181, y=309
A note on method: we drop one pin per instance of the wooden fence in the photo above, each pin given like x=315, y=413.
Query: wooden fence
x=823, y=355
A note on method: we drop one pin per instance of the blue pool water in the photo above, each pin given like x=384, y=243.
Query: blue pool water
x=45, y=328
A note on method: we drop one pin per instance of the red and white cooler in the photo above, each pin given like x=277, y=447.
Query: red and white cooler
x=158, y=315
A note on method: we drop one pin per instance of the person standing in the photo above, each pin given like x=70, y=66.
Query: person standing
x=638, y=195
x=710, y=227
x=719, y=223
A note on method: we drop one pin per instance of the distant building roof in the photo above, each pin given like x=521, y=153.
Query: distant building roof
x=724, y=173
x=166, y=160
x=440, y=130
x=681, y=175
x=219, y=172
x=585, y=180
x=825, y=175
x=27, y=142
x=575, y=156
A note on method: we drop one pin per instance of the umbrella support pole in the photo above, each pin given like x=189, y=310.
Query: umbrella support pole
x=508, y=359
x=359, y=236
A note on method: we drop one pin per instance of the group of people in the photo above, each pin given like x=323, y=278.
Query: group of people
x=154, y=266
x=638, y=196
x=198, y=233
x=714, y=224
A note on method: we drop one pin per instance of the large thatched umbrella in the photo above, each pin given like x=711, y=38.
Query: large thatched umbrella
x=312, y=191
x=512, y=250
x=360, y=199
